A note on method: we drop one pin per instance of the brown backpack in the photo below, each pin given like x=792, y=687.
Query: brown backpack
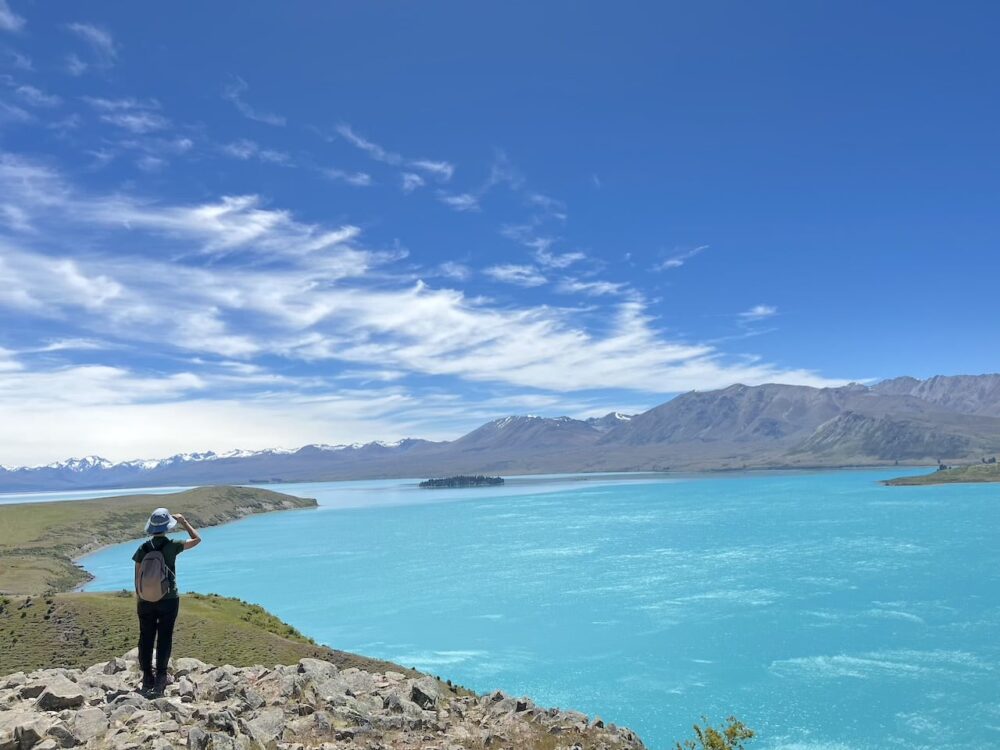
x=152, y=581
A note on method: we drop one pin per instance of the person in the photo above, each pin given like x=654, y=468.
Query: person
x=156, y=619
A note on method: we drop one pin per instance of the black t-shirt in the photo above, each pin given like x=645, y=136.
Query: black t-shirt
x=170, y=549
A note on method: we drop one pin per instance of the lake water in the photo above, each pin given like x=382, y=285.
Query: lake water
x=825, y=610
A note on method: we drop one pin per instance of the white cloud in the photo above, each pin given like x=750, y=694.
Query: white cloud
x=558, y=260
x=36, y=97
x=18, y=60
x=297, y=292
x=100, y=41
x=75, y=66
x=358, y=179
x=459, y=201
x=680, y=259
x=149, y=163
x=9, y=20
x=139, y=116
x=442, y=170
x=137, y=122
x=411, y=181
x=590, y=288
x=234, y=91
x=759, y=312
x=452, y=270
x=14, y=114
x=245, y=149
x=511, y=273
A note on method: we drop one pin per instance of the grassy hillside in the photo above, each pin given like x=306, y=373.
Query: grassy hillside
x=77, y=630
x=38, y=541
x=974, y=473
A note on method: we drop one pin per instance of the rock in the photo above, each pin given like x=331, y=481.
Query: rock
x=317, y=668
x=197, y=739
x=60, y=694
x=62, y=735
x=266, y=727
x=30, y=730
x=89, y=723
x=115, y=666
x=426, y=692
x=186, y=665
x=310, y=705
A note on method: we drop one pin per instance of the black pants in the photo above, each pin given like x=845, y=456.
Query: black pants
x=156, y=623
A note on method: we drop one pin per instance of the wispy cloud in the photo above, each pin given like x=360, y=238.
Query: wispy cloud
x=459, y=201
x=452, y=270
x=18, y=60
x=411, y=181
x=678, y=260
x=357, y=179
x=234, y=91
x=35, y=97
x=245, y=149
x=236, y=278
x=440, y=170
x=138, y=116
x=758, y=312
x=594, y=288
x=75, y=66
x=9, y=20
x=11, y=113
x=558, y=260
x=512, y=273
x=102, y=45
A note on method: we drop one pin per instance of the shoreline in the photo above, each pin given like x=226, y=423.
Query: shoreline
x=42, y=542
x=625, y=474
x=78, y=589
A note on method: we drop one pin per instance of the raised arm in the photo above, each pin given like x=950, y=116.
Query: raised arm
x=195, y=539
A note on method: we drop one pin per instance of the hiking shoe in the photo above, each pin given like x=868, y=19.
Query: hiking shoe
x=147, y=682
x=162, y=680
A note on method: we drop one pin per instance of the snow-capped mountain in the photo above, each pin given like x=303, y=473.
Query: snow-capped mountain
x=904, y=420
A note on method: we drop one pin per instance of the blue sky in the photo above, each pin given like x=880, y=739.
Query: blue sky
x=243, y=225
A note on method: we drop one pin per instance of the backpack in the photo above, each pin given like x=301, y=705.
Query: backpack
x=152, y=582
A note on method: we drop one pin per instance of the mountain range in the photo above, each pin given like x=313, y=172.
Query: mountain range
x=902, y=421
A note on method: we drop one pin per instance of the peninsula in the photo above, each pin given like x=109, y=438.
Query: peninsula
x=461, y=481
x=971, y=474
x=40, y=541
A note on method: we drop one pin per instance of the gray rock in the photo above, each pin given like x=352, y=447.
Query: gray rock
x=317, y=668
x=28, y=730
x=60, y=694
x=89, y=723
x=62, y=734
x=266, y=727
x=426, y=692
x=185, y=665
x=197, y=739
x=115, y=666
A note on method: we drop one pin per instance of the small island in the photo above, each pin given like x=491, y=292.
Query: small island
x=987, y=471
x=461, y=481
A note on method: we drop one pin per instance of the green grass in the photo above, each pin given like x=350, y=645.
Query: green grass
x=77, y=630
x=38, y=541
x=974, y=473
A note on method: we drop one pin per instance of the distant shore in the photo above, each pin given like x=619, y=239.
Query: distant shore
x=971, y=474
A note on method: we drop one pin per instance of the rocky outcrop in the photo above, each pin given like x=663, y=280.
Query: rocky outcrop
x=312, y=704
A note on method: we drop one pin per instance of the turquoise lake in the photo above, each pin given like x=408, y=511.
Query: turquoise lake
x=826, y=611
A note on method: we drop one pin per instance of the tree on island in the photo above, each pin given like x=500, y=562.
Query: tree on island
x=462, y=481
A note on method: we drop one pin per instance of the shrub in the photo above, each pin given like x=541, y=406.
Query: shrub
x=730, y=737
